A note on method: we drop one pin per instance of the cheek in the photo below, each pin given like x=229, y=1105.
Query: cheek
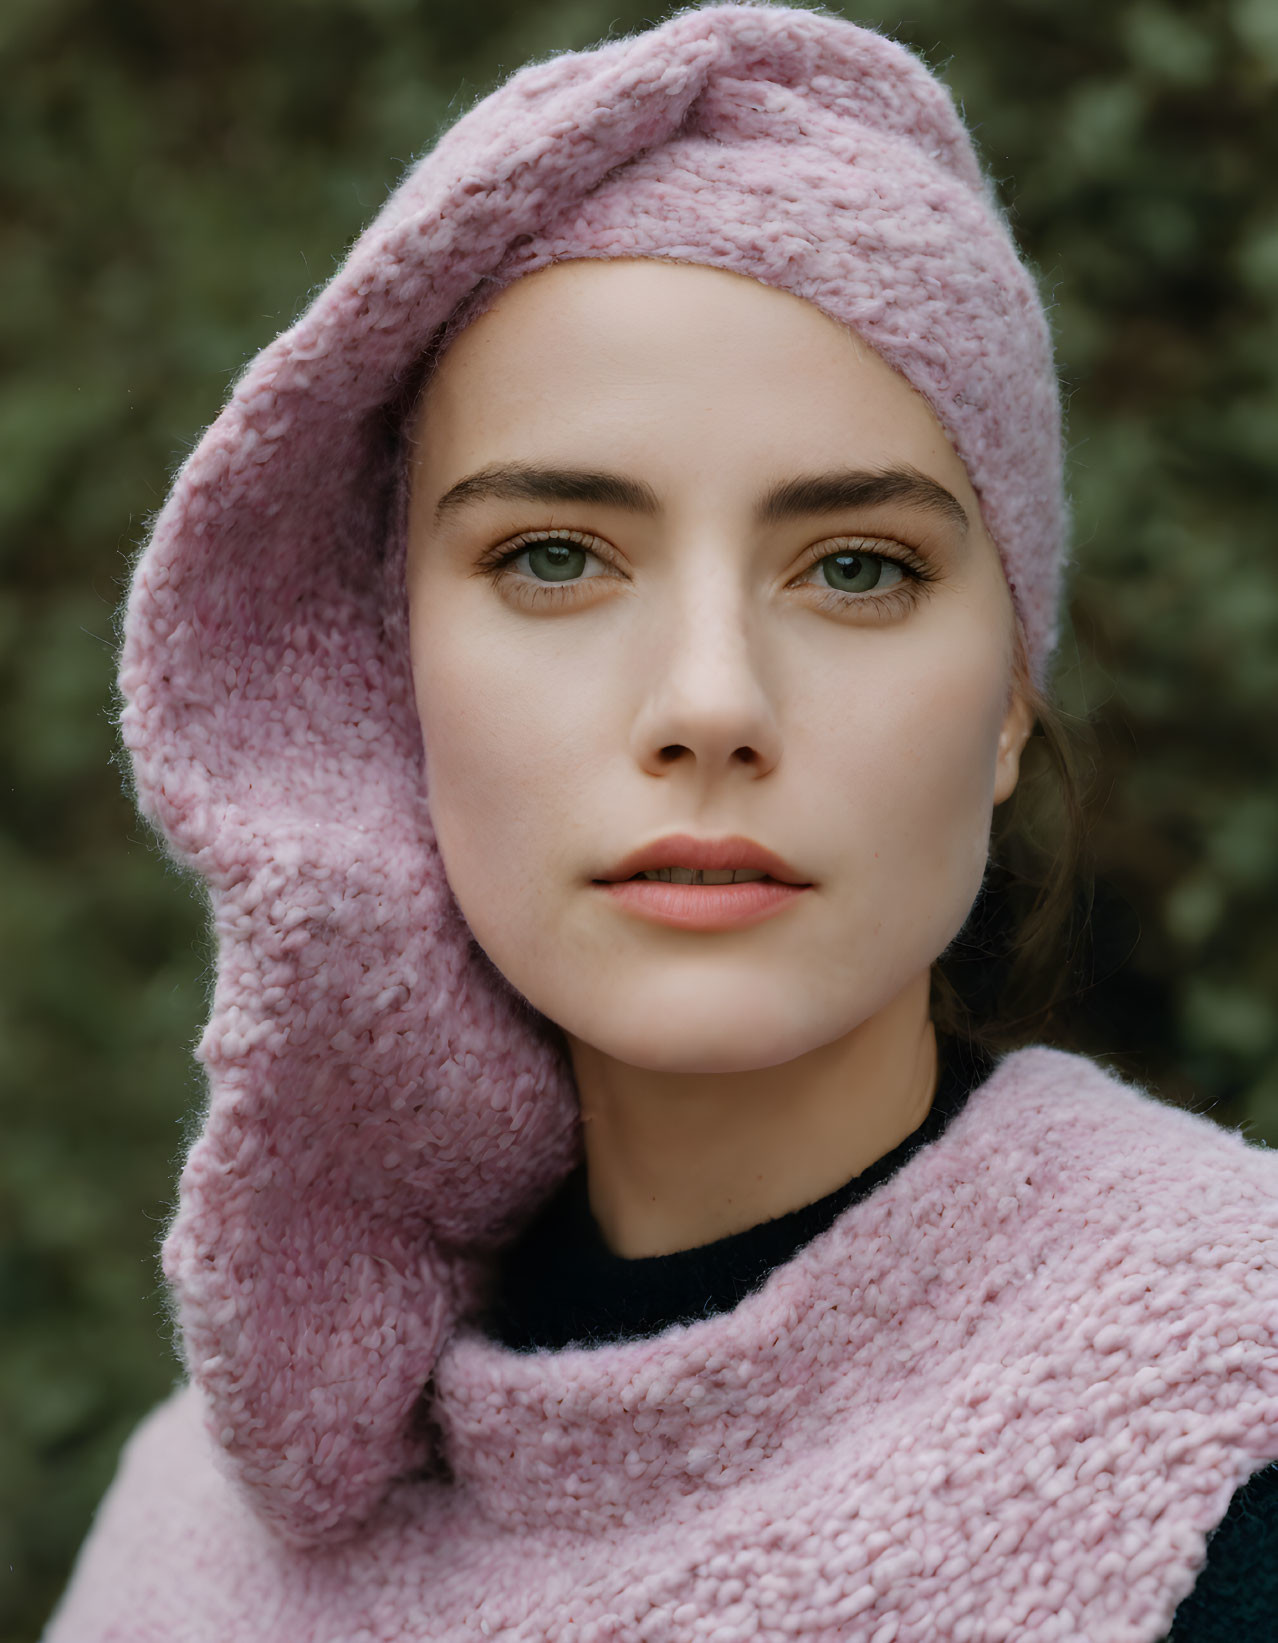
x=912, y=777
x=504, y=764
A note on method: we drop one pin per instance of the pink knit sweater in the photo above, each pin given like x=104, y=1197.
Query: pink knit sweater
x=1004, y=1397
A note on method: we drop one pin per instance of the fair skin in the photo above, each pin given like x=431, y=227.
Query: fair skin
x=831, y=677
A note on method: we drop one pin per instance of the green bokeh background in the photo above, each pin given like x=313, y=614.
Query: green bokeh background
x=178, y=179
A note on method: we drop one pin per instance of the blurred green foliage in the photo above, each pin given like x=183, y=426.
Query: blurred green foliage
x=180, y=178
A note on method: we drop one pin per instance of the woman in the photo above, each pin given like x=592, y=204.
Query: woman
x=669, y=484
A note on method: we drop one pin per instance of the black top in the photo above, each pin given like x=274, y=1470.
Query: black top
x=561, y=1285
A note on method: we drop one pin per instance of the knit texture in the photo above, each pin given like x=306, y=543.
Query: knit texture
x=1005, y=1396
x=383, y=1108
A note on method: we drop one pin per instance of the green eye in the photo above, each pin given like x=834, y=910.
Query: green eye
x=860, y=572
x=556, y=561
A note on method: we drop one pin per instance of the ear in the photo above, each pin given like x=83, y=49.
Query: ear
x=1018, y=723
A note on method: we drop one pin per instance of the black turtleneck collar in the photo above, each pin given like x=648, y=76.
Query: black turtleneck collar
x=561, y=1285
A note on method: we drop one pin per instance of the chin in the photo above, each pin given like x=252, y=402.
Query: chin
x=684, y=1042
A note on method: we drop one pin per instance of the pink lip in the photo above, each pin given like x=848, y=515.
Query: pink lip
x=702, y=906
x=719, y=855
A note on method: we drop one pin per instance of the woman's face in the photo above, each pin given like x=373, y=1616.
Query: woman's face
x=686, y=557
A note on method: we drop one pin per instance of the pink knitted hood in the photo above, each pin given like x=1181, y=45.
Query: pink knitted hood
x=383, y=1109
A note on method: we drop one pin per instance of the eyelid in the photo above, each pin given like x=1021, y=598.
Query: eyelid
x=876, y=547
x=501, y=554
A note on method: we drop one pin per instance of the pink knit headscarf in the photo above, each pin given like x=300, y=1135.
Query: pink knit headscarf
x=383, y=1109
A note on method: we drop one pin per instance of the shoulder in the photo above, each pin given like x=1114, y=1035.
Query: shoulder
x=173, y=1539
x=1237, y=1591
x=165, y=1486
x=170, y=1532
x=1155, y=1228
x=169, y=1458
x=1084, y=1128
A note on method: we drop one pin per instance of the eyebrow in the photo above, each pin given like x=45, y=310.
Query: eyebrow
x=854, y=488
x=791, y=499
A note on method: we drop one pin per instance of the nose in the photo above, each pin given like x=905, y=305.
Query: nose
x=706, y=699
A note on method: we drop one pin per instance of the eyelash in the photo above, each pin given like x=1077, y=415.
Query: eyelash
x=917, y=573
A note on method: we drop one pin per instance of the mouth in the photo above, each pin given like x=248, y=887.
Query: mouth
x=690, y=884
x=681, y=858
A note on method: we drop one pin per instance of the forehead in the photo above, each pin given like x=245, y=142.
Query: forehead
x=672, y=365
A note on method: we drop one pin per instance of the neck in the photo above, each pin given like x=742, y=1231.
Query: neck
x=676, y=1160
